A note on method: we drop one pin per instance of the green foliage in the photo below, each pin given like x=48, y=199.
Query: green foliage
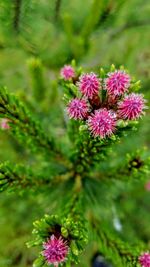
x=37, y=79
x=71, y=226
x=26, y=128
x=20, y=178
x=89, y=183
x=85, y=153
x=120, y=253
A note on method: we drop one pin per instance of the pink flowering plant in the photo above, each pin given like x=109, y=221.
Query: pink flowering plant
x=63, y=238
x=103, y=106
x=105, y=103
x=144, y=259
x=71, y=168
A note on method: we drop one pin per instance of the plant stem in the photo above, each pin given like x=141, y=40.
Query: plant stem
x=17, y=13
x=57, y=9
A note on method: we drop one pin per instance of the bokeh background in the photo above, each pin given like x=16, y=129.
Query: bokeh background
x=96, y=33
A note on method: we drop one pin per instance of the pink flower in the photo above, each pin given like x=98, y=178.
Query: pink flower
x=67, y=72
x=147, y=186
x=77, y=109
x=55, y=250
x=144, y=259
x=117, y=83
x=4, y=124
x=131, y=107
x=89, y=84
x=102, y=123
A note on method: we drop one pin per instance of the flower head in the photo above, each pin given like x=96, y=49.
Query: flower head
x=132, y=106
x=55, y=250
x=102, y=123
x=144, y=259
x=89, y=84
x=4, y=124
x=117, y=83
x=147, y=186
x=67, y=72
x=77, y=109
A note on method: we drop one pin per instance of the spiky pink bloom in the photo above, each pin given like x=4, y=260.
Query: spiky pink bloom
x=131, y=107
x=102, y=123
x=55, y=250
x=147, y=186
x=144, y=259
x=4, y=124
x=67, y=72
x=77, y=109
x=89, y=84
x=117, y=83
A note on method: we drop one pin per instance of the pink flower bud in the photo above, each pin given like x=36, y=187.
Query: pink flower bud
x=89, y=84
x=55, y=250
x=131, y=107
x=102, y=123
x=117, y=83
x=67, y=72
x=77, y=109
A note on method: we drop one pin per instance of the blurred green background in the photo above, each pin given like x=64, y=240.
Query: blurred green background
x=95, y=33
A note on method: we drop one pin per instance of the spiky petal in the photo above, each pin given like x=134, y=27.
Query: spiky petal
x=102, y=123
x=117, y=83
x=55, y=250
x=144, y=259
x=89, y=84
x=132, y=106
x=77, y=109
x=5, y=124
x=67, y=72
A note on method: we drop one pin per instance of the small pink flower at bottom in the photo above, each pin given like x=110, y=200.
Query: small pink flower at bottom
x=144, y=259
x=67, y=72
x=55, y=250
x=147, y=186
x=117, y=83
x=131, y=107
x=4, y=124
x=102, y=123
x=77, y=109
x=89, y=84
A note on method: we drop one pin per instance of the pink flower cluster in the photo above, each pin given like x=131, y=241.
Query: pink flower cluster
x=144, y=259
x=102, y=113
x=55, y=250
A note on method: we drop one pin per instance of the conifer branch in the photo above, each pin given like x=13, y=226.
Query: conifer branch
x=70, y=226
x=57, y=9
x=25, y=127
x=91, y=150
x=37, y=79
x=120, y=253
x=128, y=26
x=78, y=170
x=17, y=14
x=135, y=168
x=19, y=177
x=93, y=18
